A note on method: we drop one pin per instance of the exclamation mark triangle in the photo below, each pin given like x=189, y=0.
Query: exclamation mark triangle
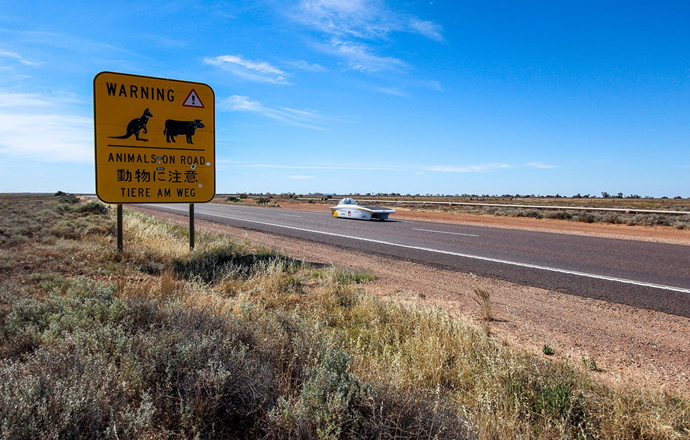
x=193, y=100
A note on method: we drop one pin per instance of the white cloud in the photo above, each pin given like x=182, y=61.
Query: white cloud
x=300, y=118
x=22, y=101
x=250, y=70
x=322, y=167
x=539, y=165
x=468, y=169
x=393, y=92
x=38, y=128
x=417, y=170
x=370, y=19
x=241, y=103
x=349, y=22
x=357, y=18
x=303, y=65
x=427, y=28
x=69, y=42
x=485, y=167
x=359, y=57
x=17, y=57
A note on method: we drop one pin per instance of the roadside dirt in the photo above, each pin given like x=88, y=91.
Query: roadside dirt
x=628, y=345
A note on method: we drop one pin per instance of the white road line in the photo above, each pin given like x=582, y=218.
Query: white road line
x=290, y=215
x=458, y=254
x=444, y=232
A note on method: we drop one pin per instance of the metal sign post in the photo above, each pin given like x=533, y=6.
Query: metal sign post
x=119, y=228
x=191, y=226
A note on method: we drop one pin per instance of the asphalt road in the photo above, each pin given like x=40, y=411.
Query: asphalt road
x=649, y=275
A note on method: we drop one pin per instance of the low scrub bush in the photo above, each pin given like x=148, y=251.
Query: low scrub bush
x=585, y=217
x=345, y=276
x=63, y=197
x=101, y=364
x=234, y=341
x=559, y=215
x=676, y=221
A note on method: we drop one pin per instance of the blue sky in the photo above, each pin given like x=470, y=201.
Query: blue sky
x=358, y=96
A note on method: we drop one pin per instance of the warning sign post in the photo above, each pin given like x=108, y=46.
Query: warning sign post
x=154, y=140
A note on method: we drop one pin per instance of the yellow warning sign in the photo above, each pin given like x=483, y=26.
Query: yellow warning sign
x=155, y=139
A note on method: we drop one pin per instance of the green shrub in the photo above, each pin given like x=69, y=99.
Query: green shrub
x=66, y=197
x=93, y=207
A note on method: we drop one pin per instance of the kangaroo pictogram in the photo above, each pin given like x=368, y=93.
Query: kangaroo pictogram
x=135, y=126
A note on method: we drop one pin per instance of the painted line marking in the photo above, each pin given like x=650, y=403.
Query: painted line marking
x=444, y=232
x=290, y=215
x=458, y=254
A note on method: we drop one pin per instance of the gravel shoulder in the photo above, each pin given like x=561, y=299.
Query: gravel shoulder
x=633, y=346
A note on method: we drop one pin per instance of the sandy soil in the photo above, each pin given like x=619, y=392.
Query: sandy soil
x=628, y=345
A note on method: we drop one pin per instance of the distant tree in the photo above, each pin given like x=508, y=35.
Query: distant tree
x=605, y=195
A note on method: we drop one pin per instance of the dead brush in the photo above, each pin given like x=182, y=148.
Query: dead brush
x=167, y=283
x=482, y=297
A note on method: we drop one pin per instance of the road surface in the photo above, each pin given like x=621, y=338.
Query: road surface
x=641, y=274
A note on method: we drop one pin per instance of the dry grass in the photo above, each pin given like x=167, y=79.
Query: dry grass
x=483, y=299
x=233, y=341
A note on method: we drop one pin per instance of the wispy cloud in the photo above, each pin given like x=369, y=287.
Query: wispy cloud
x=23, y=101
x=364, y=19
x=300, y=118
x=393, y=92
x=484, y=167
x=19, y=58
x=303, y=65
x=419, y=170
x=467, y=169
x=322, y=167
x=432, y=84
x=351, y=26
x=427, y=28
x=359, y=57
x=300, y=177
x=63, y=41
x=258, y=71
x=538, y=165
x=40, y=128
